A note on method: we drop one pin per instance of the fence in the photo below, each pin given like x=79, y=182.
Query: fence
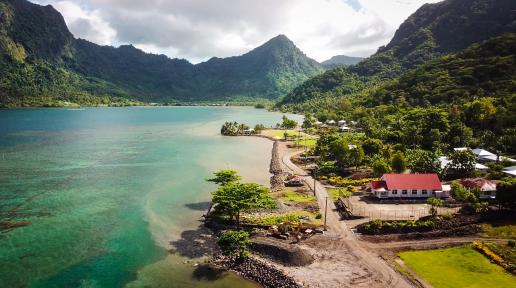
x=410, y=212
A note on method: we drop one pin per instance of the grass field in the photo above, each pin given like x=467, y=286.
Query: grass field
x=298, y=197
x=304, y=140
x=457, y=267
x=499, y=231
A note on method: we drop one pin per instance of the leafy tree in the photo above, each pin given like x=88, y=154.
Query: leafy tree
x=506, y=193
x=423, y=161
x=347, y=155
x=235, y=243
x=235, y=197
x=308, y=122
x=230, y=129
x=462, y=164
x=259, y=128
x=380, y=167
x=288, y=123
x=398, y=162
x=434, y=204
x=223, y=177
x=372, y=146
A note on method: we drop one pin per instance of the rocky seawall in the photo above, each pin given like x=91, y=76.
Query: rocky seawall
x=258, y=271
x=275, y=169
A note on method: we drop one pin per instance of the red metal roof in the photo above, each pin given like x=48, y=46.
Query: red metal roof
x=482, y=184
x=412, y=181
x=377, y=185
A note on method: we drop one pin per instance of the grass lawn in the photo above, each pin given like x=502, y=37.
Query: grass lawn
x=274, y=219
x=298, y=197
x=280, y=133
x=499, y=231
x=457, y=267
x=335, y=193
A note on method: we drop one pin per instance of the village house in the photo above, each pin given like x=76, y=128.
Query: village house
x=409, y=186
x=510, y=171
x=486, y=188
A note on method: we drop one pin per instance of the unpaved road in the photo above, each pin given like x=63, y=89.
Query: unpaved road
x=341, y=259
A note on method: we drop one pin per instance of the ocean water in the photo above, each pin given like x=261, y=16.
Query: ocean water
x=108, y=193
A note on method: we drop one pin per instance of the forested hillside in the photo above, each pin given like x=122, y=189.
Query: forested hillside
x=431, y=32
x=42, y=63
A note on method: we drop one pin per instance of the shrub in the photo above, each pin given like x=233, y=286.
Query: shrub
x=480, y=247
x=235, y=243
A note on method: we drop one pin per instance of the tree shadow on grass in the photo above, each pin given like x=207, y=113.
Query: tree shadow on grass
x=200, y=206
x=195, y=243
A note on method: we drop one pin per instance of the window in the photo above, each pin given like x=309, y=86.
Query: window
x=424, y=192
x=403, y=191
x=487, y=193
x=414, y=192
x=394, y=191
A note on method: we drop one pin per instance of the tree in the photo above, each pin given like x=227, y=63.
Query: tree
x=423, y=161
x=506, y=193
x=462, y=164
x=235, y=243
x=434, y=204
x=398, y=162
x=372, y=146
x=308, y=122
x=234, y=197
x=223, y=177
x=229, y=129
x=288, y=123
x=259, y=128
x=380, y=167
x=346, y=155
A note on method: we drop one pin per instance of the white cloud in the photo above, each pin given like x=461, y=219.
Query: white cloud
x=199, y=29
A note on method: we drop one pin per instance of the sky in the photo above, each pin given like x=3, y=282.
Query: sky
x=197, y=30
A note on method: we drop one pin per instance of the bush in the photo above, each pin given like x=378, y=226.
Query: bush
x=318, y=216
x=235, y=244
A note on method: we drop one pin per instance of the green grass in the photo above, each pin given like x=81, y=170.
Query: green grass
x=457, y=267
x=499, y=231
x=335, y=193
x=292, y=196
x=280, y=133
x=279, y=218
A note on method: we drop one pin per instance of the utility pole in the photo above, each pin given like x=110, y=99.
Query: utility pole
x=315, y=177
x=325, y=213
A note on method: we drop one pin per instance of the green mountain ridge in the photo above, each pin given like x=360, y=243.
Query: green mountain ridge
x=434, y=30
x=340, y=60
x=38, y=55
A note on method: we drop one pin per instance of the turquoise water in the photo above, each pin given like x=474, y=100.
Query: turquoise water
x=109, y=191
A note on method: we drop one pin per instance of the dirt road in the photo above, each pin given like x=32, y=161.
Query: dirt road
x=344, y=261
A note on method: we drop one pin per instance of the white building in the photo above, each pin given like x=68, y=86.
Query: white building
x=409, y=186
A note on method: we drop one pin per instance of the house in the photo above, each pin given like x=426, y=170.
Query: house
x=344, y=128
x=318, y=123
x=248, y=131
x=487, y=188
x=342, y=122
x=445, y=161
x=409, y=186
x=330, y=122
x=486, y=156
x=510, y=171
x=294, y=182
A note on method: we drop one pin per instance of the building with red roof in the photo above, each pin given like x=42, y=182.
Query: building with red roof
x=486, y=188
x=409, y=186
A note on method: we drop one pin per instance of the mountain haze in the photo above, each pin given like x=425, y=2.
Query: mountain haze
x=41, y=61
x=341, y=60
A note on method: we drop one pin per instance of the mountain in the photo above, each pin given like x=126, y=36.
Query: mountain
x=487, y=69
x=434, y=30
x=340, y=60
x=41, y=62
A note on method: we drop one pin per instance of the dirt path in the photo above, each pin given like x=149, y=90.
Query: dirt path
x=426, y=243
x=341, y=259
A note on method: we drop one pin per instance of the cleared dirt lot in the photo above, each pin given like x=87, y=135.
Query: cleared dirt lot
x=369, y=209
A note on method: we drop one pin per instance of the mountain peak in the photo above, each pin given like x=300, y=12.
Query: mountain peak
x=280, y=40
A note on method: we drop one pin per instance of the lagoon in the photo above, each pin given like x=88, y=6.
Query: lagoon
x=109, y=192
